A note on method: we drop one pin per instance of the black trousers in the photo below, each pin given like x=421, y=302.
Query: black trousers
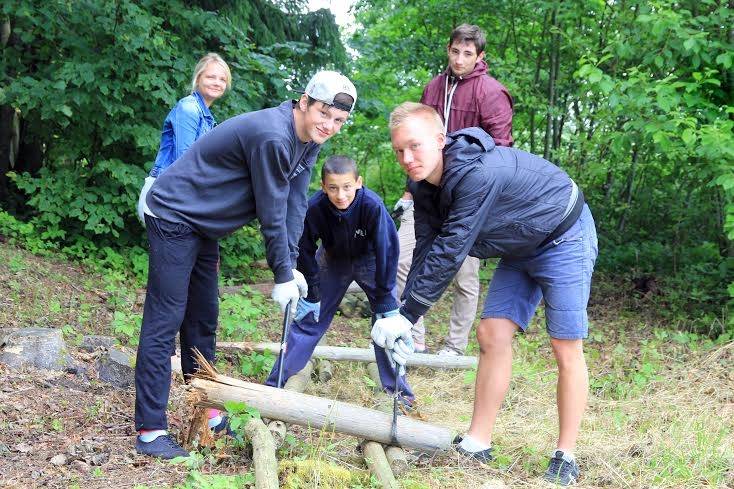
x=182, y=296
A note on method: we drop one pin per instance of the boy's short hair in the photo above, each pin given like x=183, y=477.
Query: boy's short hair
x=339, y=165
x=407, y=109
x=469, y=33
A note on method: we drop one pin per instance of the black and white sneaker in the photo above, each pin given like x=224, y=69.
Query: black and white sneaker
x=164, y=447
x=562, y=469
x=482, y=456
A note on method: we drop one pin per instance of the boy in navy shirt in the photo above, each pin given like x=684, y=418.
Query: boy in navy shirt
x=359, y=243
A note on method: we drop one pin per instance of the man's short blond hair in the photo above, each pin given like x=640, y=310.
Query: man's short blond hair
x=410, y=109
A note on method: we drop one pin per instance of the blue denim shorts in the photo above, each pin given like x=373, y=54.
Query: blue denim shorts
x=559, y=273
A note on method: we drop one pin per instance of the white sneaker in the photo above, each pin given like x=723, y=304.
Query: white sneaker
x=447, y=352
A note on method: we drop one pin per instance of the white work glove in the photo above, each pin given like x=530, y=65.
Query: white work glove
x=398, y=355
x=403, y=205
x=387, y=330
x=300, y=282
x=142, y=206
x=286, y=293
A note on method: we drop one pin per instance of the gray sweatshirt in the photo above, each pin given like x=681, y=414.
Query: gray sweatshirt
x=250, y=166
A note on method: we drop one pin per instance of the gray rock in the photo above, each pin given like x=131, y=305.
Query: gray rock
x=93, y=342
x=114, y=368
x=35, y=347
x=59, y=460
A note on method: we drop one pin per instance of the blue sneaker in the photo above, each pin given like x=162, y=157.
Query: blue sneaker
x=164, y=447
x=482, y=456
x=562, y=469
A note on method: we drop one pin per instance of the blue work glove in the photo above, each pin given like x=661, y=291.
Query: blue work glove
x=387, y=330
x=403, y=205
x=305, y=307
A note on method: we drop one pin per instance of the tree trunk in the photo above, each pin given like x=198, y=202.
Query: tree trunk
x=365, y=355
x=553, y=75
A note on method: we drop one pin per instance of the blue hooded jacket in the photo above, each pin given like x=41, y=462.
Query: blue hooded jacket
x=492, y=201
x=363, y=230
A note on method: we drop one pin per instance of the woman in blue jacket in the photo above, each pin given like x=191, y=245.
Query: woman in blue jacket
x=189, y=119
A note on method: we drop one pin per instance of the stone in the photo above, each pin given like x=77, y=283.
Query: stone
x=93, y=342
x=114, y=368
x=59, y=460
x=35, y=347
x=100, y=458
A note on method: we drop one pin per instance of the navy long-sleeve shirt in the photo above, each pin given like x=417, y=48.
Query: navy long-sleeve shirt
x=363, y=229
x=250, y=166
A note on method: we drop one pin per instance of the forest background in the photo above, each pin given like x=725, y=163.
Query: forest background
x=632, y=98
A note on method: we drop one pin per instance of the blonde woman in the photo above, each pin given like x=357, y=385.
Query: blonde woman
x=189, y=119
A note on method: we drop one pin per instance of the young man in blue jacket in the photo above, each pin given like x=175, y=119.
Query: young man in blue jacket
x=475, y=198
x=359, y=243
x=256, y=165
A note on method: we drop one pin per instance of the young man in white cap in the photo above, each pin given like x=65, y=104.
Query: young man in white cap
x=256, y=165
x=474, y=198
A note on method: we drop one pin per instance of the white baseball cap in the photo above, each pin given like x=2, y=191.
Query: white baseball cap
x=325, y=85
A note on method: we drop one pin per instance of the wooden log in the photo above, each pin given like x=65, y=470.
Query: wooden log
x=366, y=355
x=377, y=462
x=325, y=370
x=319, y=413
x=263, y=454
x=298, y=382
x=397, y=460
x=374, y=374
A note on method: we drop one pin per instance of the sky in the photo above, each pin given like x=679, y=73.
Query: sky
x=340, y=9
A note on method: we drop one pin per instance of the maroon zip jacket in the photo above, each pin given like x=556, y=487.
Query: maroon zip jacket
x=478, y=101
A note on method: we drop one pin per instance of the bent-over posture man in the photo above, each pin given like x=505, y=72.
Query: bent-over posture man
x=475, y=198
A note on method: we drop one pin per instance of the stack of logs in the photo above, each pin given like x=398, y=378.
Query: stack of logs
x=289, y=405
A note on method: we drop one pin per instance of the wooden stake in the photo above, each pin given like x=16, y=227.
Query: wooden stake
x=325, y=370
x=377, y=462
x=263, y=454
x=397, y=460
x=374, y=374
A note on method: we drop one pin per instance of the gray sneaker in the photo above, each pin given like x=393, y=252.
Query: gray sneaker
x=562, y=469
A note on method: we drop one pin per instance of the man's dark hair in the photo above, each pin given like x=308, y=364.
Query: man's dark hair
x=469, y=33
x=339, y=165
x=341, y=99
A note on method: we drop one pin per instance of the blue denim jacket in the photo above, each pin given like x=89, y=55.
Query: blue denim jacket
x=188, y=121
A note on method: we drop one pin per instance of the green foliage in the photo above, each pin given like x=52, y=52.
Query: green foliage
x=632, y=99
x=239, y=314
x=93, y=81
x=256, y=365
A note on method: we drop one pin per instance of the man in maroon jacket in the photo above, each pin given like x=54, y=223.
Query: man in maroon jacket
x=464, y=95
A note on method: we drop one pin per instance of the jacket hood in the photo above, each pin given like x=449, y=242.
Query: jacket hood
x=480, y=69
x=467, y=144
